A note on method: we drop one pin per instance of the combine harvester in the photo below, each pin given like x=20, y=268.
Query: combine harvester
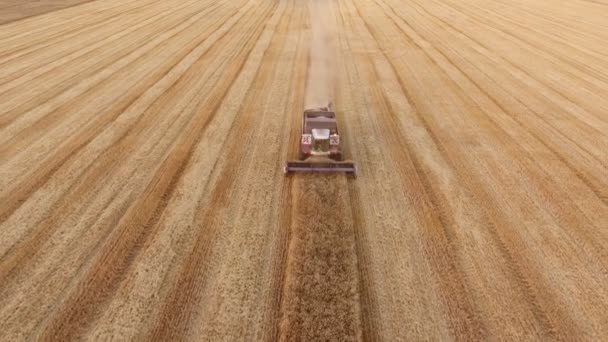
x=320, y=149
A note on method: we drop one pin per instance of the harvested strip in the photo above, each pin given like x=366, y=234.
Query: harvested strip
x=321, y=291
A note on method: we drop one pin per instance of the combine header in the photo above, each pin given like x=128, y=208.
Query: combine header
x=320, y=149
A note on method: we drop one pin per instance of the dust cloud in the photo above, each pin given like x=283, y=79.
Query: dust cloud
x=321, y=71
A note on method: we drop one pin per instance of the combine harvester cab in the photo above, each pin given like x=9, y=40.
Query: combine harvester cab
x=320, y=149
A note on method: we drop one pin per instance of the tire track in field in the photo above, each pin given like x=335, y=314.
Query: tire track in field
x=285, y=216
x=368, y=305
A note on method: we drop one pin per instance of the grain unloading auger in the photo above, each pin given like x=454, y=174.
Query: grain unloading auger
x=320, y=149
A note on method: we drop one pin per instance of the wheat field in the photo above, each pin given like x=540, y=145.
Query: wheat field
x=142, y=195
